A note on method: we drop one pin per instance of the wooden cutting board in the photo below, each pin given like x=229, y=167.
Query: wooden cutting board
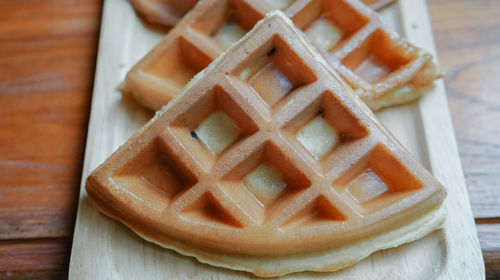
x=105, y=249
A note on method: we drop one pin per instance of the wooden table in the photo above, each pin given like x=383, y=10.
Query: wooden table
x=47, y=60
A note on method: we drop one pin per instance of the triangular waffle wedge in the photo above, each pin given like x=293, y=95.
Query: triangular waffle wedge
x=169, y=12
x=267, y=162
x=383, y=68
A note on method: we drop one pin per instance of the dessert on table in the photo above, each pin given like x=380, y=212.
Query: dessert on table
x=268, y=162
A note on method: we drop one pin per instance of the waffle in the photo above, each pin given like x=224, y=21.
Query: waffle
x=377, y=4
x=163, y=12
x=383, y=68
x=268, y=162
x=168, y=12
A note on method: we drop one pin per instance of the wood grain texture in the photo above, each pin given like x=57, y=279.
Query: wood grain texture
x=47, y=59
x=34, y=259
x=46, y=73
x=488, y=231
x=467, y=35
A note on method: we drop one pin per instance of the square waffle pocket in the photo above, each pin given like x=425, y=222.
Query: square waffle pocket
x=267, y=162
x=163, y=12
x=381, y=66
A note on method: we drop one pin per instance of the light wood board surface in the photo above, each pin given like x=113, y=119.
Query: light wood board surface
x=104, y=249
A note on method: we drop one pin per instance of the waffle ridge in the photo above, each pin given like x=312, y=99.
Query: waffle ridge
x=162, y=12
x=168, y=185
x=168, y=12
x=381, y=66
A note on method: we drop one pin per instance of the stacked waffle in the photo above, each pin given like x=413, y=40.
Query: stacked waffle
x=169, y=12
x=382, y=67
x=267, y=160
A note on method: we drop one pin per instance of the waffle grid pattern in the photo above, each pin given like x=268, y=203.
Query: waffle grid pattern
x=169, y=12
x=179, y=177
x=371, y=57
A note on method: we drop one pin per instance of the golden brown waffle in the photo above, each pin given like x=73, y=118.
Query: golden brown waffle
x=267, y=162
x=163, y=12
x=378, y=4
x=169, y=12
x=383, y=68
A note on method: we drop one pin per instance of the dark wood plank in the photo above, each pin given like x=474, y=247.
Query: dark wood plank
x=47, y=60
x=488, y=231
x=467, y=35
x=40, y=151
x=34, y=259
